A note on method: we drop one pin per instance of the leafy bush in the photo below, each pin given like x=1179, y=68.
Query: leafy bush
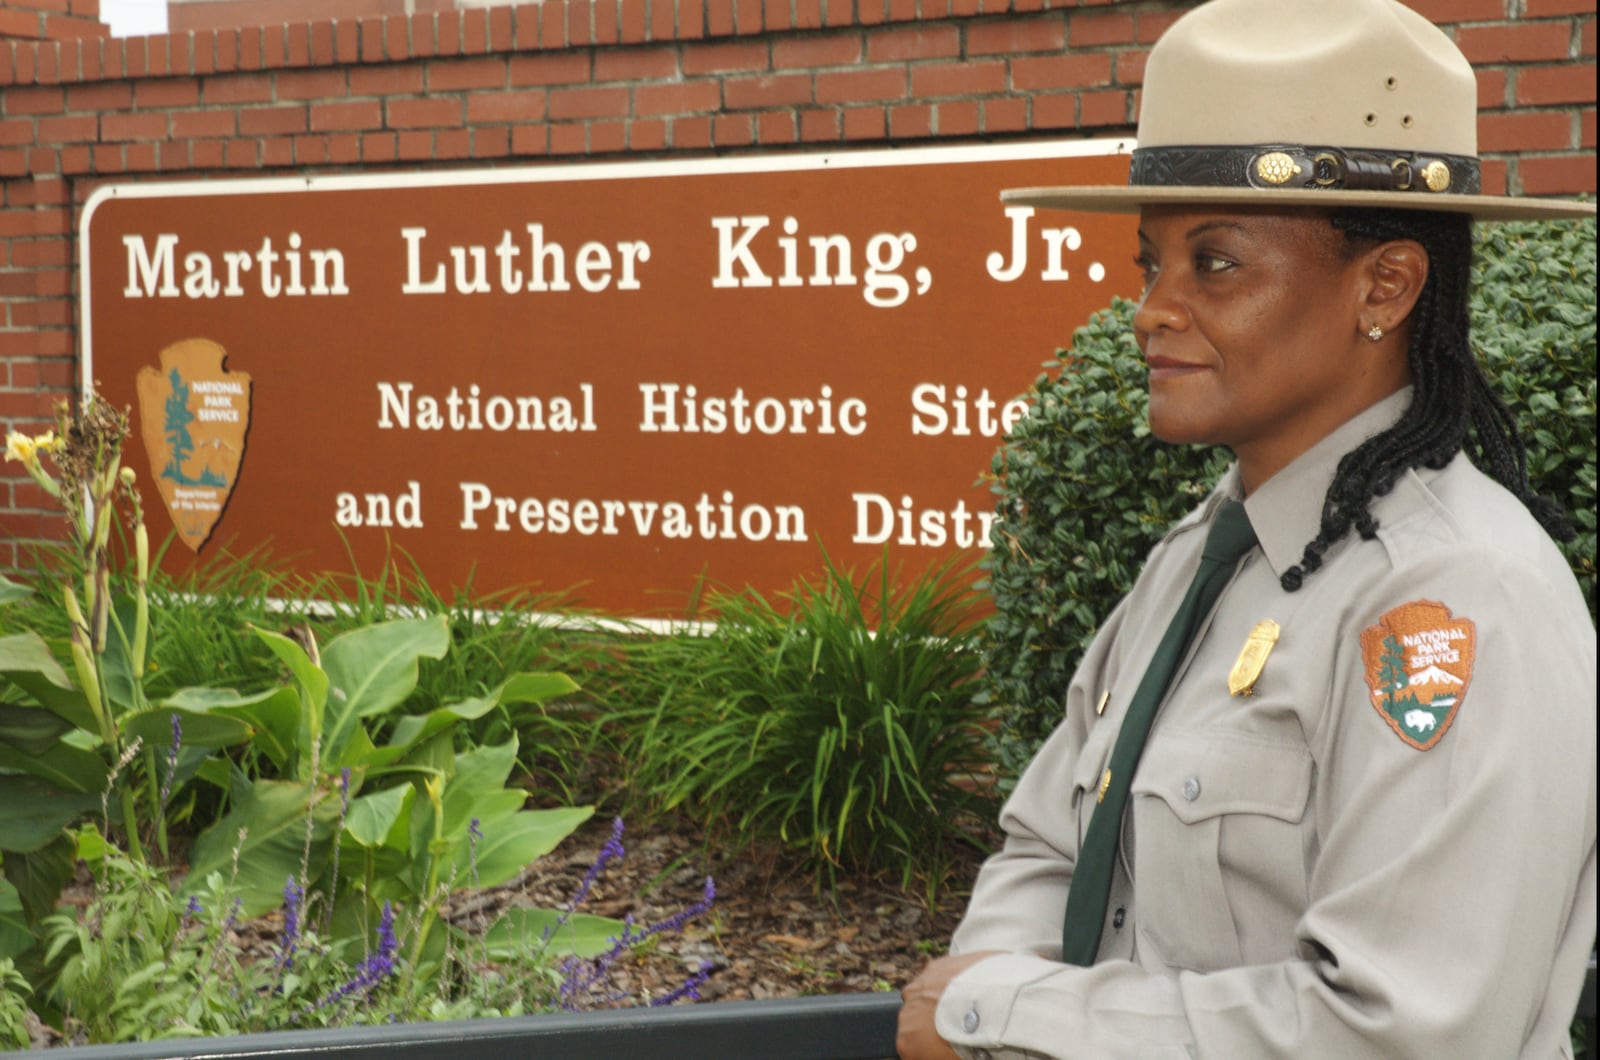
x=836, y=720
x=1085, y=491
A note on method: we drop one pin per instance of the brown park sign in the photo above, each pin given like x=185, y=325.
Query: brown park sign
x=619, y=378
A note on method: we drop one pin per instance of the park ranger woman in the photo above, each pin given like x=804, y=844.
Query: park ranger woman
x=1325, y=784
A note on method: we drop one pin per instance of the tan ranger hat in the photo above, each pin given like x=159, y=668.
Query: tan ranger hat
x=1305, y=103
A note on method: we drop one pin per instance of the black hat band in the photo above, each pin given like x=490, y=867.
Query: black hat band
x=1275, y=166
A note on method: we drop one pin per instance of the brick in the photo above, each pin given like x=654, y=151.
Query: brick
x=552, y=28
x=723, y=58
x=195, y=124
x=688, y=98
x=1524, y=131
x=414, y=146
x=310, y=150
x=491, y=143
x=906, y=10
x=1100, y=109
x=647, y=134
x=580, y=22
x=76, y=127
x=837, y=13
x=719, y=18
x=569, y=103
x=530, y=140
x=692, y=26
x=635, y=64
x=1494, y=176
x=1586, y=128
x=570, y=139
x=1565, y=175
x=142, y=126
x=378, y=147
x=861, y=86
x=1548, y=85
x=1493, y=89
x=908, y=43
x=1061, y=71
x=748, y=17
x=277, y=152
x=733, y=130
x=1551, y=8
x=663, y=20
x=1100, y=28
x=551, y=69
x=424, y=113
x=633, y=28
x=396, y=38
x=241, y=154
x=912, y=122
x=776, y=127
x=1130, y=68
x=168, y=92
x=343, y=117
x=1520, y=43
x=474, y=31
x=1586, y=39
x=312, y=84
x=807, y=15
x=347, y=44
x=812, y=52
x=206, y=154
x=691, y=134
x=42, y=100
x=272, y=121
x=608, y=137
x=1016, y=36
x=387, y=80
x=487, y=108
x=322, y=43
x=1445, y=12
x=819, y=125
x=117, y=95
x=606, y=19
x=1004, y=115
x=958, y=79
x=345, y=148
x=468, y=74
x=773, y=90
x=238, y=88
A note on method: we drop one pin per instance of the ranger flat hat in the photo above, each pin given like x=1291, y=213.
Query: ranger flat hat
x=1305, y=103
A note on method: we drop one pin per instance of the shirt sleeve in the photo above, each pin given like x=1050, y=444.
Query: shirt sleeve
x=1452, y=897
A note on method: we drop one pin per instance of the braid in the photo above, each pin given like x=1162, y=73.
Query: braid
x=1453, y=407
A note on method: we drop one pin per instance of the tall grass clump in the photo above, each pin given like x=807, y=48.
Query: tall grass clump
x=836, y=719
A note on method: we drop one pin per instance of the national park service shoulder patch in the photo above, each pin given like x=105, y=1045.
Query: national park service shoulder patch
x=1418, y=661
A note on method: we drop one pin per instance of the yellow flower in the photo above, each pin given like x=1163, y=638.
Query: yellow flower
x=20, y=447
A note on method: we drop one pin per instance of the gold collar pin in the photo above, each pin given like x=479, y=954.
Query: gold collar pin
x=1252, y=658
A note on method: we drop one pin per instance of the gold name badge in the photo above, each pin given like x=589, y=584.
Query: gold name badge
x=1252, y=658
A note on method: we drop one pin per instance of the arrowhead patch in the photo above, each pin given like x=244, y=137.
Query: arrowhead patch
x=194, y=416
x=1418, y=661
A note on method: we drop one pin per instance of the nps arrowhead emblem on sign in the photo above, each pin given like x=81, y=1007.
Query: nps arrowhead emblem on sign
x=194, y=416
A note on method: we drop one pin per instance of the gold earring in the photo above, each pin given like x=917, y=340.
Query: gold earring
x=1375, y=332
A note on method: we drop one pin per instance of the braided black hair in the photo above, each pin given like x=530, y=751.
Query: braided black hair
x=1453, y=407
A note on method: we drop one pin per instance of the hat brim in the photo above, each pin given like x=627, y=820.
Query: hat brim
x=1129, y=199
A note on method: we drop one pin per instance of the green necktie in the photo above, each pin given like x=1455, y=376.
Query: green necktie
x=1230, y=537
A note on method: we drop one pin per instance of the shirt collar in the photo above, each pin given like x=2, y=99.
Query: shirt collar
x=1286, y=510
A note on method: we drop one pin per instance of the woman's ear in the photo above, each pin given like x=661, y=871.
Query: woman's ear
x=1397, y=272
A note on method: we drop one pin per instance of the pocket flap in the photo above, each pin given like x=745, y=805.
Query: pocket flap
x=1201, y=775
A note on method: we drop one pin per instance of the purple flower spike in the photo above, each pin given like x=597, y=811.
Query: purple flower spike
x=690, y=988
x=172, y=757
x=608, y=853
x=293, y=895
x=375, y=969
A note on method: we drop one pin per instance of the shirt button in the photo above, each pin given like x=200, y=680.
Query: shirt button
x=969, y=1022
x=1120, y=917
x=1191, y=789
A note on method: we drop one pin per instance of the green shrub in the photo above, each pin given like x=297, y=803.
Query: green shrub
x=1085, y=491
x=836, y=720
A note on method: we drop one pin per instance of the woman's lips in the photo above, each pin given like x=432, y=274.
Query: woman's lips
x=1171, y=367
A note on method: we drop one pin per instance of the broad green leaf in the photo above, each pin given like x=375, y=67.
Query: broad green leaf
x=33, y=812
x=10, y=592
x=26, y=661
x=122, y=685
x=373, y=669
x=15, y=937
x=273, y=815
x=535, y=687
x=480, y=774
x=521, y=931
x=310, y=676
x=510, y=844
x=198, y=729
x=372, y=819
x=30, y=729
x=413, y=729
x=39, y=875
x=68, y=768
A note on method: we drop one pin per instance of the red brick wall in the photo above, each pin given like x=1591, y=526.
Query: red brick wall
x=571, y=79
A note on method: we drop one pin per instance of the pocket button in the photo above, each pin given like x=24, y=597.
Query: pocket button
x=1191, y=789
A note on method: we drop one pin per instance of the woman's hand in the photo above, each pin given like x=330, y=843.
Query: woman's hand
x=917, y=1039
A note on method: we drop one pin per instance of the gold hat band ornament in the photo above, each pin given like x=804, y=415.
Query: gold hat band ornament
x=1320, y=103
x=1252, y=658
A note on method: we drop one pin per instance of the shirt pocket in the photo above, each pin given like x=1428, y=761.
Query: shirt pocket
x=1220, y=847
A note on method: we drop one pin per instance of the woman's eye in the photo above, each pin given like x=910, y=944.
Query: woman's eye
x=1211, y=263
x=1147, y=269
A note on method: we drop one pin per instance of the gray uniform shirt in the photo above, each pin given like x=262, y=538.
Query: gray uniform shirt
x=1387, y=850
